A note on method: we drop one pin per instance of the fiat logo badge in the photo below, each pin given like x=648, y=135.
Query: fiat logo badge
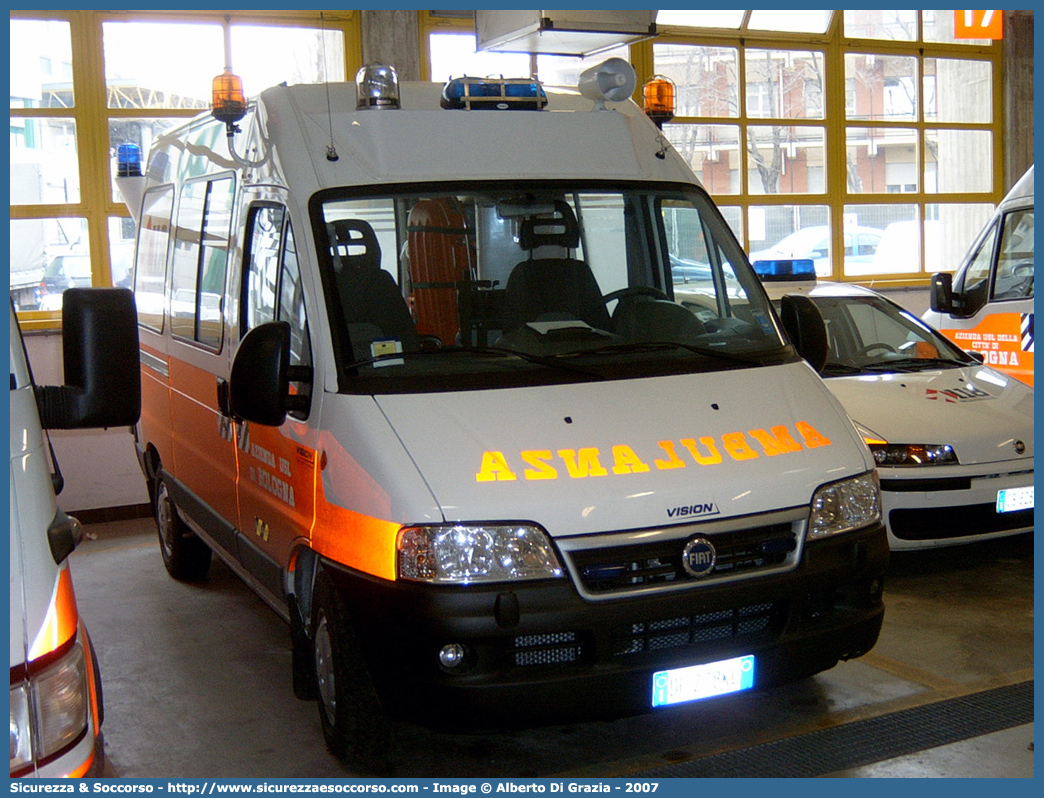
x=698, y=557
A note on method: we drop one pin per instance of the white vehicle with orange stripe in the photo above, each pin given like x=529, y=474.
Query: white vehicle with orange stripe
x=987, y=306
x=413, y=368
x=56, y=699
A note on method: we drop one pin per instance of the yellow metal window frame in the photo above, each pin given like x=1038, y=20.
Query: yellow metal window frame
x=834, y=45
x=92, y=114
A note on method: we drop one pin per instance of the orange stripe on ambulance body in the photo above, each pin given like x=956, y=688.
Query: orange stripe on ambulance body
x=62, y=618
x=92, y=687
x=359, y=541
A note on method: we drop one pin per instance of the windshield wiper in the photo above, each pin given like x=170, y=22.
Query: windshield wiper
x=548, y=361
x=916, y=364
x=655, y=346
x=837, y=369
x=413, y=353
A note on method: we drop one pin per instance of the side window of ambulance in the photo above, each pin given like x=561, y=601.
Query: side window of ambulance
x=150, y=276
x=291, y=303
x=266, y=229
x=200, y=260
x=975, y=280
x=1014, y=277
x=273, y=279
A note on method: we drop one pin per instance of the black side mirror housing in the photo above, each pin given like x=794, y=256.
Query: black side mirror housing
x=941, y=293
x=100, y=351
x=805, y=327
x=259, y=384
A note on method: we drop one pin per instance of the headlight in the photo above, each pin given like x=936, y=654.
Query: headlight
x=21, y=734
x=52, y=705
x=913, y=454
x=462, y=554
x=841, y=506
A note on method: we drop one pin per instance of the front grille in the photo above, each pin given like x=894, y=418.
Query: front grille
x=546, y=649
x=926, y=485
x=704, y=627
x=955, y=522
x=739, y=553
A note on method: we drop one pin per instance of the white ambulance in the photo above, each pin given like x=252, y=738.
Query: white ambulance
x=56, y=698
x=412, y=368
x=987, y=306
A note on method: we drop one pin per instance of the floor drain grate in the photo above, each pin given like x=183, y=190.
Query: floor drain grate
x=867, y=741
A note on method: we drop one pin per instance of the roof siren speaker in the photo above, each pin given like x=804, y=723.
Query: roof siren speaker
x=612, y=80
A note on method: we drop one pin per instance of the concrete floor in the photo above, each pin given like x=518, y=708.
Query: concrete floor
x=197, y=681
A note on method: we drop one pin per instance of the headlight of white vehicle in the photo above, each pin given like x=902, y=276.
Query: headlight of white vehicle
x=905, y=455
x=845, y=505
x=52, y=706
x=463, y=554
x=913, y=454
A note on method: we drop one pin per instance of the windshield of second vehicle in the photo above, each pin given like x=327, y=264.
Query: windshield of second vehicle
x=502, y=283
x=872, y=335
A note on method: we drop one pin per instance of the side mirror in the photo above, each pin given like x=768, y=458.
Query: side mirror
x=941, y=293
x=102, y=374
x=258, y=387
x=805, y=326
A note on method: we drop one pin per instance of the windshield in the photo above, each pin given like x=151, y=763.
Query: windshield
x=515, y=284
x=870, y=334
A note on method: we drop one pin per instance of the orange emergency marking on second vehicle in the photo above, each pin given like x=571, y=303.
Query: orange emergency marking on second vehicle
x=1002, y=341
x=704, y=451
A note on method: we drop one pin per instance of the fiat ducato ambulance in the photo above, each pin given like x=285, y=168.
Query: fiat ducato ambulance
x=412, y=366
x=987, y=306
x=56, y=697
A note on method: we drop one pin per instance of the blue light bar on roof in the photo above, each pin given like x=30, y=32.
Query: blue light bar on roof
x=784, y=270
x=501, y=94
x=128, y=160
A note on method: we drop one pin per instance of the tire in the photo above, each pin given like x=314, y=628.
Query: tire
x=350, y=713
x=185, y=556
x=302, y=657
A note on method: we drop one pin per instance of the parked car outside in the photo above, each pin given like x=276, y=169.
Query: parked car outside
x=813, y=243
x=64, y=271
x=899, y=250
x=952, y=438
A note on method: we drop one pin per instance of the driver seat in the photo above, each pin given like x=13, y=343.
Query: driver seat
x=552, y=288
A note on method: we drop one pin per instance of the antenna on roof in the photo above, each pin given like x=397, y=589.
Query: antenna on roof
x=331, y=150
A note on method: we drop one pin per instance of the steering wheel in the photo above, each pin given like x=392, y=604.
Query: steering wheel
x=866, y=350
x=635, y=290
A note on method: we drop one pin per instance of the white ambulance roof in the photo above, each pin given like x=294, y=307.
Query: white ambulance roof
x=424, y=142
x=1022, y=189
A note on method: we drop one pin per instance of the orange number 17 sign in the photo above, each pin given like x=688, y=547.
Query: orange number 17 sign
x=978, y=24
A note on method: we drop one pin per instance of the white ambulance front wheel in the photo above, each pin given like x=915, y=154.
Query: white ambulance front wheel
x=185, y=556
x=349, y=711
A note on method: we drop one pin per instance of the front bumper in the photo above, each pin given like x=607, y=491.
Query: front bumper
x=930, y=507
x=539, y=652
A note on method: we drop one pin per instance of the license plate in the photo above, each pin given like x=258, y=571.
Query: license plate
x=702, y=681
x=1012, y=500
